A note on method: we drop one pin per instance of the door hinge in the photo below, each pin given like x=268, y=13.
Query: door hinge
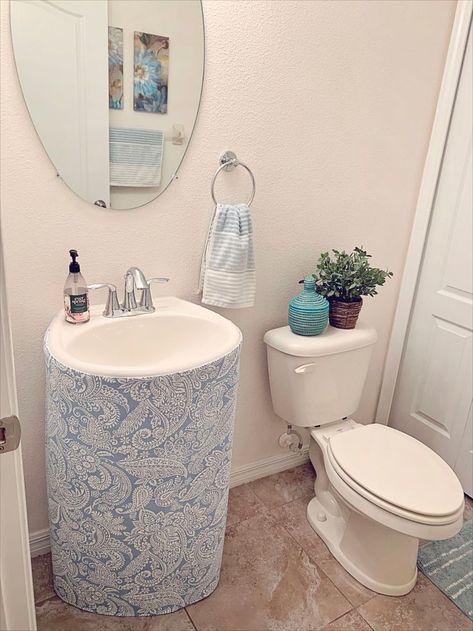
x=10, y=433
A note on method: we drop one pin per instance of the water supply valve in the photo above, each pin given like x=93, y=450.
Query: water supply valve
x=291, y=439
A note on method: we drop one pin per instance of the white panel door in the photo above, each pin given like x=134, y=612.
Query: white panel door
x=433, y=394
x=17, y=611
x=67, y=87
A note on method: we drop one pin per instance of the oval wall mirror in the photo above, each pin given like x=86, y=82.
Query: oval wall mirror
x=113, y=89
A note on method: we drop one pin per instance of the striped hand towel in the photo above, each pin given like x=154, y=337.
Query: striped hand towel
x=135, y=157
x=228, y=265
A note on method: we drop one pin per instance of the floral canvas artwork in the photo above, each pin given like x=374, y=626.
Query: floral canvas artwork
x=115, y=68
x=151, y=73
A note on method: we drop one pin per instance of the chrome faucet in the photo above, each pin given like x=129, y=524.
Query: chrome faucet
x=134, y=279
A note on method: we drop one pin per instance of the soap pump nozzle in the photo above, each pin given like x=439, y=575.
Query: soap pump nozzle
x=74, y=266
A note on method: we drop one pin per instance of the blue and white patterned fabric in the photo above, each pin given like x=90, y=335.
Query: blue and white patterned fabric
x=138, y=473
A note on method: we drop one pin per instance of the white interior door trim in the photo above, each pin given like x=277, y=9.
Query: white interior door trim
x=425, y=202
x=17, y=609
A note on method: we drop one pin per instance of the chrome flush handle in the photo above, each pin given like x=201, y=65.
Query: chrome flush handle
x=305, y=368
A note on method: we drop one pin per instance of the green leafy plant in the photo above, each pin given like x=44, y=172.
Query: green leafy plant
x=347, y=277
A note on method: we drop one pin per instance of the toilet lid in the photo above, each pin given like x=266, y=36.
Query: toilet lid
x=398, y=469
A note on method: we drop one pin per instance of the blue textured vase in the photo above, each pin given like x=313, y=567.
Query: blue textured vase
x=308, y=312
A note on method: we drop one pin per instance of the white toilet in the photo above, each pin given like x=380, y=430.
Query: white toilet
x=378, y=491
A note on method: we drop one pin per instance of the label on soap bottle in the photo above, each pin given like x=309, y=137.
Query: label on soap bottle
x=79, y=303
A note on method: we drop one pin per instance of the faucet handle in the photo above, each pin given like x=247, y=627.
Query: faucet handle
x=112, y=306
x=156, y=280
x=146, y=301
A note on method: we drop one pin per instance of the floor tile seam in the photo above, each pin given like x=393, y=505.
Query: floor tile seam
x=444, y=595
x=351, y=611
x=314, y=560
x=194, y=626
x=271, y=507
x=323, y=574
x=43, y=598
x=358, y=609
x=47, y=599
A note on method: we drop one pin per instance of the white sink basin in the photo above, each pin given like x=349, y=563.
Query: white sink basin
x=178, y=336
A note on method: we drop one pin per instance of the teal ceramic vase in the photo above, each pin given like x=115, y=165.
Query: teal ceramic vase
x=308, y=312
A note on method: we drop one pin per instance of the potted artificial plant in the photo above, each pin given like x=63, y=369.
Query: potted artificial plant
x=343, y=279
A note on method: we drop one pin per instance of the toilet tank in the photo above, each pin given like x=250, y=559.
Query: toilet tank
x=318, y=380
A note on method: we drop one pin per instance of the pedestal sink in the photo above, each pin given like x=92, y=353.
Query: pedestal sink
x=139, y=426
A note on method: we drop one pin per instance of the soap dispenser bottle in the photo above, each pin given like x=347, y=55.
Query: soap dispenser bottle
x=76, y=300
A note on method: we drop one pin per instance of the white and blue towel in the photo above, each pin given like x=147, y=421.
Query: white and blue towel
x=228, y=276
x=136, y=156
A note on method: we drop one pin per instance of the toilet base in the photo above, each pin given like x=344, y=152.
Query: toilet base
x=379, y=558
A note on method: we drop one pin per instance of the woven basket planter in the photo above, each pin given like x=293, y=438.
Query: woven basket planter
x=343, y=315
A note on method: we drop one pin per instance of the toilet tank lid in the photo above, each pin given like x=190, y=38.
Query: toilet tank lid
x=330, y=342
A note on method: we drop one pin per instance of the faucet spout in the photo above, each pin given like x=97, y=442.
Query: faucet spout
x=135, y=276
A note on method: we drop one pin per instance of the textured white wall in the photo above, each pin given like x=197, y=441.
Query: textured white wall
x=330, y=103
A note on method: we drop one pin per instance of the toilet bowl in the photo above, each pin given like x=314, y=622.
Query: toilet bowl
x=377, y=491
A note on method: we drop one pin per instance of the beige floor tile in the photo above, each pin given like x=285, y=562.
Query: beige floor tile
x=42, y=577
x=351, y=621
x=286, y=486
x=293, y=517
x=56, y=615
x=468, y=512
x=425, y=608
x=354, y=591
x=267, y=582
x=243, y=504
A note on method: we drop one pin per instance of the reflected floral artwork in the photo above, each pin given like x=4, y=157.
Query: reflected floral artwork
x=115, y=68
x=151, y=73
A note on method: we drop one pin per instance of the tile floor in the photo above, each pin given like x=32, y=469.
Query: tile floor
x=276, y=575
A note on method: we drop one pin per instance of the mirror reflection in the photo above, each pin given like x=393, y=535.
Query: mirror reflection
x=113, y=88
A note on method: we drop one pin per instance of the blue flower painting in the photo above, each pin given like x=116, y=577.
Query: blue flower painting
x=151, y=73
x=115, y=68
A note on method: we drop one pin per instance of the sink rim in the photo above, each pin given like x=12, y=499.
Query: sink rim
x=59, y=332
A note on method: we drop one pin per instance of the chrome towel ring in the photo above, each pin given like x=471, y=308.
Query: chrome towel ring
x=229, y=161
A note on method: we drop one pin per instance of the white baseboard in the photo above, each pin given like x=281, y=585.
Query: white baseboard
x=39, y=540
x=268, y=466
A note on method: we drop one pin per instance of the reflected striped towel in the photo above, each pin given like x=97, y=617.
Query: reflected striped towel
x=228, y=266
x=135, y=157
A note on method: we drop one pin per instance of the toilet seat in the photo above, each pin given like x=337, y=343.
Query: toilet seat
x=397, y=473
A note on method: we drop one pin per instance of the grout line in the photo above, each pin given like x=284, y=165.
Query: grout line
x=271, y=507
x=442, y=593
x=42, y=600
x=320, y=569
x=53, y=597
x=352, y=607
x=190, y=618
x=355, y=609
x=361, y=614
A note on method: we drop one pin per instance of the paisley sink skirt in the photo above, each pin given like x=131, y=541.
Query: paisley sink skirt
x=138, y=472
